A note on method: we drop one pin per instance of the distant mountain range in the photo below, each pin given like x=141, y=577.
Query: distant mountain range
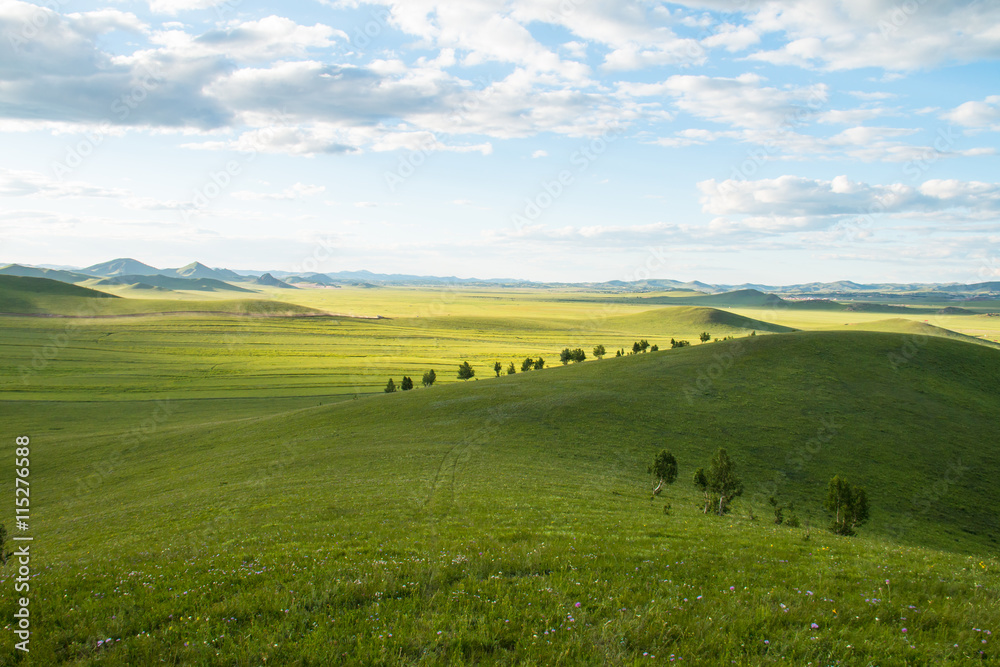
x=198, y=276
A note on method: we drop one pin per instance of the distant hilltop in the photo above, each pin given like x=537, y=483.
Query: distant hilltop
x=130, y=269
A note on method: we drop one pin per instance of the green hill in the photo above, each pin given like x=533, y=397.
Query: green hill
x=902, y=325
x=172, y=283
x=691, y=320
x=20, y=294
x=42, y=296
x=744, y=298
x=509, y=520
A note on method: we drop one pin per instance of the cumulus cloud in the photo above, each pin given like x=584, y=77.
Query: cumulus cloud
x=795, y=202
x=984, y=114
x=848, y=34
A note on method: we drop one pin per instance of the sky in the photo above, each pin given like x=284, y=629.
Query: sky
x=759, y=141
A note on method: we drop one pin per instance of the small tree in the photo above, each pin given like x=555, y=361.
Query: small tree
x=723, y=481
x=510, y=369
x=849, y=505
x=753, y=333
x=390, y=387
x=429, y=377
x=643, y=344
x=497, y=367
x=779, y=511
x=664, y=469
x=599, y=352
x=618, y=353
x=539, y=364
x=527, y=364
x=4, y=554
x=565, y=356
x=701, y=481
x=407, y=384
x=705, y=336
x=465, y=371
x=678, y=343
x=654, y=348
x=577, y=355
x=636, y=347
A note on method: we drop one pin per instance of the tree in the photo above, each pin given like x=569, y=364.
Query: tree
x=539, y=364
x=705, y=336
x=636, y=347
x=465, y=371
x=618, y=353
x=429, y=377
x=753, y=333
x=643, y=344
x=664, y=469
x=678, y=343
x=723, y=482
x=565, y=356
x=527, y=364
x=577, y=355
x=497, y=367
x=702, y=483
x=510, y=369
x=599, y=351
x=849, y=505
x=391, y=387
x=4, y=554
x=407, y=384
x=654, y=348
x=779, y=511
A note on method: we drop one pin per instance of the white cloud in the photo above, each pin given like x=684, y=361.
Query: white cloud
x=269, y=38
x=795, y=202
x=296, y=191
x=540, y=153
x=856, y=34
x=177, y=6
x=16, y=183
x=733, y=38
x=985, y=114
x=741, y=101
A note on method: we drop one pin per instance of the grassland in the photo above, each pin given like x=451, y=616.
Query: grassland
x=206, y=495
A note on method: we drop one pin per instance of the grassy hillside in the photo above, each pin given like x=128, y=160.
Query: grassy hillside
x=20, y=294
x=900, y=325
x=745, y=298
x=509, y=520
x=694, y=319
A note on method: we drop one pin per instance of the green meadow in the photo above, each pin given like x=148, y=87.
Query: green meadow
x=222, y=481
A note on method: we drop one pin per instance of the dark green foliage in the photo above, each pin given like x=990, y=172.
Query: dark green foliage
x=497, y=367
x=4, y=553
x=678, y=343
x=527, y=364
x=429, y=377
x=753, y=333
x=849, y=505
x=618, y=353
x=720, y=484
x=565, y=356
x=390, y=387
x=539, y=364
x=636, y=347
x=465, y=371
x=701, y=481
x=654, y=348
x=779, y=511
x=407, y=384
x=577, y=355
x=705, y=337
x=664, y=469
x=599, y=351
x=511, y=369
x=643, y=345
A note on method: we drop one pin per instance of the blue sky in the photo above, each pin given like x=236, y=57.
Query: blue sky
x=745, y=141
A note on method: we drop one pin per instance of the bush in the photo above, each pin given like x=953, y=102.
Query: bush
x=390, y=387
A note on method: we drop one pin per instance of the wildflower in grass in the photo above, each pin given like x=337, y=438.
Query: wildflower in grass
x=814, y=626
x=577, y=605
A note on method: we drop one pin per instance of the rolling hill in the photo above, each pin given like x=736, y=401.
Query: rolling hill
x=745, y=298
x=270, y=281
x=21, y=294
x=121, y=266
x=171, y=283
x=913, y=328
x=694, y=319
x=194, y=270
x=52, y=274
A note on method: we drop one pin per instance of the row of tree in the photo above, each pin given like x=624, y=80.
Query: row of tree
x=720, y=485
x=467, y=372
